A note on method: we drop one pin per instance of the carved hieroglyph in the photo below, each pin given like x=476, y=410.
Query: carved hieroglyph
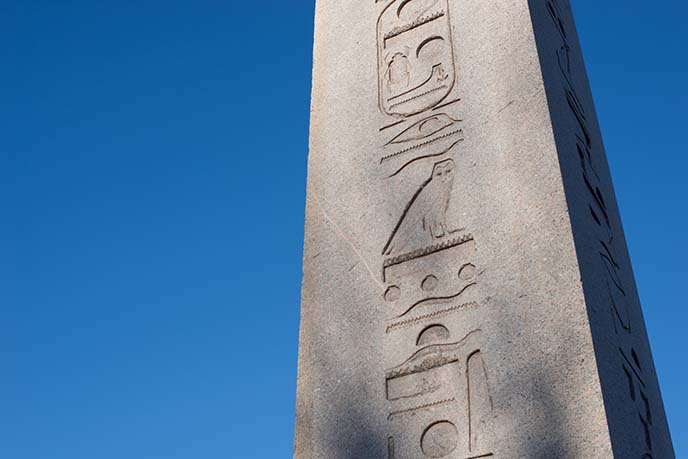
x=606, y=233
x=439, y=399
x=424, y=219
x=467, y=293
x=444, y=384
x=415, y=56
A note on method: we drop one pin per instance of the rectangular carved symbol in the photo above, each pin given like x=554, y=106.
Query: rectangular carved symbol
x=415, y=56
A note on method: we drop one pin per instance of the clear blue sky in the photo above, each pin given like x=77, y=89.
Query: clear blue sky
x=152, y=180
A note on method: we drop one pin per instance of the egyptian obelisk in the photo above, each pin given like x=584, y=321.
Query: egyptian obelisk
x=467, y=289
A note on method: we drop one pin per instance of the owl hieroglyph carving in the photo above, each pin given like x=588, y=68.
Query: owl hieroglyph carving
x=424, y=219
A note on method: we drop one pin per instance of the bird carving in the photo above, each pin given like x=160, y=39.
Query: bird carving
x=424, y=218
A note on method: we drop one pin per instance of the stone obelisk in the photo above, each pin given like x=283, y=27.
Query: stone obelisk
x=467, y=289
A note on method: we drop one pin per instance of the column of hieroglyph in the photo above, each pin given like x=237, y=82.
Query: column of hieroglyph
x=466, y=289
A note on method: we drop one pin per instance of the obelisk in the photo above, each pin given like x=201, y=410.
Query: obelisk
x=467, y=289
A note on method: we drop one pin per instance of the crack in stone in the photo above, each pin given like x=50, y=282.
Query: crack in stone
x=344, y=237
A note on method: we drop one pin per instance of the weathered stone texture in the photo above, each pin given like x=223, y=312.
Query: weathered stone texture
x=467, y=290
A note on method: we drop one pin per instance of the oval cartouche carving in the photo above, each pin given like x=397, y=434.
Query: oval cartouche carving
x=416, y=68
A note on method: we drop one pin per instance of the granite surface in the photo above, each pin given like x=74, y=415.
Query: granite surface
x=467, y=291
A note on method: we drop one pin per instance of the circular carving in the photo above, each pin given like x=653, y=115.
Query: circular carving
x=432, y=335
x=468, y=272
x=393, y=293
x=439, y=440
x=429, y=283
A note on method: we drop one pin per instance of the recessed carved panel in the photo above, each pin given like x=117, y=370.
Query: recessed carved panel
x=415, y=56
x=440, y=383
x=479, y=400
x=427, y=281
x=413, y=385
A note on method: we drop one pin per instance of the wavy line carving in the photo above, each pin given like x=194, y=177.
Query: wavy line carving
x=437, y=299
